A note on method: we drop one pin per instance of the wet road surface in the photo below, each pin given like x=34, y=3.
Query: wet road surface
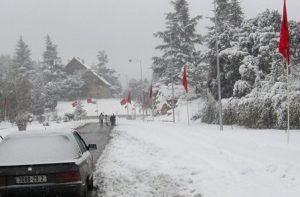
x=94, y=133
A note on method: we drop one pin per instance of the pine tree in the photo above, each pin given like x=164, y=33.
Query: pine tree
x=236, y=14
x=5, y=62
x=179, y=41
x=51, y=65
x=180, y=47
x=108, y=74
x=21, y=75
x=101, y=67
x=23, y=95
x=9, y=91
x=222, y=13
x=22, y=65
x=50, y=57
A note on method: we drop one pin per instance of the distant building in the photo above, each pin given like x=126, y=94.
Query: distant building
x=95, y=85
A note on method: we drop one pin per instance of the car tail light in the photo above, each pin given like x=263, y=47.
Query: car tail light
x=2, y=181
x=67, y=177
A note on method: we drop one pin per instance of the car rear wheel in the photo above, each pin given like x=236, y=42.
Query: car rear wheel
x=90, y=183
x=84, y=192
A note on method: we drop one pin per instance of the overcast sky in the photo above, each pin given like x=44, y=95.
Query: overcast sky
x=123, y=28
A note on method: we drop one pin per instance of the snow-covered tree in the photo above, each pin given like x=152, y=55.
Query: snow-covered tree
x=71, y=87
x=259, y=96
x=23, y=95
x=108, y=74
x=21, y=75
x=22, y=65
x=9, y=92
x=79, y=112
x=236, y=13
x=38, y=95
x=51, y=65
x=5, y=62
x=53, y=75
x=228, y=19
x=179, y=44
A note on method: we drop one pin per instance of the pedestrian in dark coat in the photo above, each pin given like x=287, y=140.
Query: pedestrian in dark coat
x=101, y=117
x=113, y=120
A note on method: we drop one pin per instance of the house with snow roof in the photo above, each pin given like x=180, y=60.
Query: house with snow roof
x=95, y=85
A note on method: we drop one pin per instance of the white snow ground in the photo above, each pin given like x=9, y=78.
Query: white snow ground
x=166, y=159
x=158, y=158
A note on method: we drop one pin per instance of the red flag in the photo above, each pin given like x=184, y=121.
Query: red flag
x=5, y=103
x=150, y=91
x=89, y=100
x=184, y=80
x=129, y=98
x=123, y=102
x=284, y=46
x=74, y=104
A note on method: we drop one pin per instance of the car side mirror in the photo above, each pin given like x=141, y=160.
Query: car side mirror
x=92, y=147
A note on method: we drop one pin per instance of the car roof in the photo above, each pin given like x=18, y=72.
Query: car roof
x=39, y=133
x=30, y=147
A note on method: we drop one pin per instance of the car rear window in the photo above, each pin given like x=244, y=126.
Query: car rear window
x=36, y=149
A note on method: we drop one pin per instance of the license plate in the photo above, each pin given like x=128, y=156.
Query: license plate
x=31, y=179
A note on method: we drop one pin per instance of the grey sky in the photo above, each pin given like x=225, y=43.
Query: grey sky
x=124, y=28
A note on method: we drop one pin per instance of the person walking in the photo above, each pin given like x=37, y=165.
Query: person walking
x=113, y=118
x=106, y=119
x=101, y=117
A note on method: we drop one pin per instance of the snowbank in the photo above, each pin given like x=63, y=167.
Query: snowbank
x=166, y=159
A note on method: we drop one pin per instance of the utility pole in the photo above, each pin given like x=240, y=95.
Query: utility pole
x=218, y=68
x=172, y=80
x=142, y=83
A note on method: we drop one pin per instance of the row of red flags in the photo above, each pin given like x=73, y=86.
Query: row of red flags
x=184, y=81
x=88, y=100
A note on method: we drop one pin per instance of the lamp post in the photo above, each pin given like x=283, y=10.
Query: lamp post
x=172, y=79
x=218, y=68
x=139, y=61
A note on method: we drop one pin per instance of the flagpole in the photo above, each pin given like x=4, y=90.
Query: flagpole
x=284, y=49
x=152, y=108
x=187, y=108
x=127, y=106
x=172, y=80
x=97, y=108
x=288, y=103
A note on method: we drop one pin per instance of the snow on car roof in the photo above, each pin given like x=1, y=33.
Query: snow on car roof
x=37, y=147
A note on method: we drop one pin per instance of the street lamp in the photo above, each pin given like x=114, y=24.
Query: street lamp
x=139, y=61
x=140, y=64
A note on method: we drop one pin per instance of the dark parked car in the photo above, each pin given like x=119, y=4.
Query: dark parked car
x=45, y=164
